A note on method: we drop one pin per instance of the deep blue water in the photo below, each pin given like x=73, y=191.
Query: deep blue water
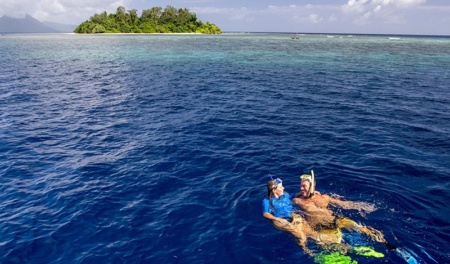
x=156, y=148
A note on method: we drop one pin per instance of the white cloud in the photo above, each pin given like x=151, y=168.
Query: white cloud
x=315, y=18
x=16, y=8
x=362, y=6
x=238, y=14
x=363, y=20
x=355, y=6
x=408, y=3
x=332, y=18
x=384, y=11
x=286, y=8
x=202, y=1
x=212, y=10
x=242, y=14
x=377, y=9
x=308, y=19
x=62, y=11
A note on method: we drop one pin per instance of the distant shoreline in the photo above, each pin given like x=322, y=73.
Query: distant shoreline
x=72, y=33
x=187, y=33
x=247, y=33
x=336, y=34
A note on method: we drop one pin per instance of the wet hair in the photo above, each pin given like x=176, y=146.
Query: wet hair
x=271, y=185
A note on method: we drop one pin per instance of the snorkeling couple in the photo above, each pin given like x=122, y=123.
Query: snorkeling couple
x=317, y=221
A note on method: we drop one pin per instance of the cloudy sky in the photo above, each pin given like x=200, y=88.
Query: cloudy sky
x=429, y=17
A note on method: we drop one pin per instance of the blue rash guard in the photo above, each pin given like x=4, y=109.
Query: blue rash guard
x=283, y=206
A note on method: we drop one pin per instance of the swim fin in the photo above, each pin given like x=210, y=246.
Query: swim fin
x=406, y=256
x=367, y=252
x=333, y=258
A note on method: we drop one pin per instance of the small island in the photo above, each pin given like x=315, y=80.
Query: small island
x=154, y=20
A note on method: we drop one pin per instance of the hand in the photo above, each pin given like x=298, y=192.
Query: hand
x=308, y=252
x=282, y=221
x=364, y=207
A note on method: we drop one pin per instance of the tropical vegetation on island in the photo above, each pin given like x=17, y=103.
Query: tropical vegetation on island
x=154, y=20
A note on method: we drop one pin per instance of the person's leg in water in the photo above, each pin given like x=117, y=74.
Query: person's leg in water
x=328, y=239
x=296, y=228
x=351, y=225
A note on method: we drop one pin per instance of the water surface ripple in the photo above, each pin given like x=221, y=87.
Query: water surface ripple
x=155, y=149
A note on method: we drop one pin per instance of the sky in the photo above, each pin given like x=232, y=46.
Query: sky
x=417, y=17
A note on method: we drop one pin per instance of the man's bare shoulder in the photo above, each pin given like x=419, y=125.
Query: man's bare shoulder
x=297, y=200
x=324, y=196
x=301, y=201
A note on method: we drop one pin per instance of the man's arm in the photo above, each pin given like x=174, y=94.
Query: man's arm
x=360, y=206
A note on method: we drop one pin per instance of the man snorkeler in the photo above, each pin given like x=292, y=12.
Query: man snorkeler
x=322, y=219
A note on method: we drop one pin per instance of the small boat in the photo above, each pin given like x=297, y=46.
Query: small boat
x=394, y=38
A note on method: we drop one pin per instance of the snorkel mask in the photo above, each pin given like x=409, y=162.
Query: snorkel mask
x=275, y=182
x=310, y=178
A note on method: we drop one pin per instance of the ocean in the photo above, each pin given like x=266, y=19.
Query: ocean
x=157, y=148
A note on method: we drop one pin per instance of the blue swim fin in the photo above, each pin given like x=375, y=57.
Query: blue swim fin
x=425, y=252
x=406, y=255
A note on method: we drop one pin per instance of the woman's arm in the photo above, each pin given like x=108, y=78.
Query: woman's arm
x=273, y=218
x=269, y=216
